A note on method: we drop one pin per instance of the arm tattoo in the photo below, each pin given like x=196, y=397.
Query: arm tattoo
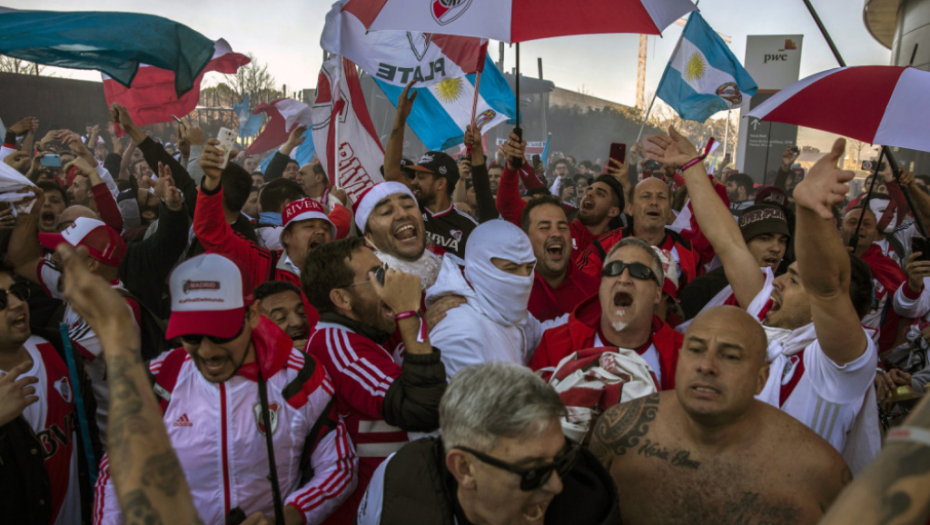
x=138, y=510
x=621, y=427
x=394, y=133
x=900, y=502
x=163, y=472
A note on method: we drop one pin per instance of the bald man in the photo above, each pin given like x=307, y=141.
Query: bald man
x=709, y=452
x=650, y=205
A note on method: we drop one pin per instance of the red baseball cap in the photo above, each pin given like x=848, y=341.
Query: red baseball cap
x=102, y=242
x=209, y=295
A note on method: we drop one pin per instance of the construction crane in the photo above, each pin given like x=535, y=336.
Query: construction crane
x=641, y=66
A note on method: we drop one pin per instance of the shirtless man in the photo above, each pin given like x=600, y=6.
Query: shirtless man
x=709, y=453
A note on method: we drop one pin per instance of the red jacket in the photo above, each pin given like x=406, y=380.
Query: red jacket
x=582, y=238
x=689, y=260
x=216, y=235
x=548, y=303
x=581, y=329
x=887, y=277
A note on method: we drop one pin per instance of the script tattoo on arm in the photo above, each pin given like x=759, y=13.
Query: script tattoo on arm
x=621, y=427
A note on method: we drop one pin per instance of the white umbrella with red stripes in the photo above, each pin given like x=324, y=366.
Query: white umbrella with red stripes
x=885, y=105
x=520, y=20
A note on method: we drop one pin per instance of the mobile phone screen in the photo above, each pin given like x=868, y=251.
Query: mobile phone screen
x=618, y=152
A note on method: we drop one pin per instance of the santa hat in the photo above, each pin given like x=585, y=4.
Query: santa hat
x=303, y=209
x=373, y=195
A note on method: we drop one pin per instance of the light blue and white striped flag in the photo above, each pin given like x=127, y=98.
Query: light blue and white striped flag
x=441, y=111
x=703, y=77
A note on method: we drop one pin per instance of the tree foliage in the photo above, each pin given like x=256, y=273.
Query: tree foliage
x=21, y=67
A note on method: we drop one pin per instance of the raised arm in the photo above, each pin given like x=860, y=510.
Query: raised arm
x=149, y=481
x=481, y=181
x=712, y=215
x=394, y=151
x=24, y=253
x=823, y=261
x=278, y=164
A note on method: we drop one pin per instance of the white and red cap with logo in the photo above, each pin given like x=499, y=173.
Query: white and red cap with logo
x=373, y=195
x=670, y=269
x=209, y=295
x=304, y=209
x=102, y=242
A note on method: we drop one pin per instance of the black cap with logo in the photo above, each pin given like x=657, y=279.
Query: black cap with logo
x=440, y=164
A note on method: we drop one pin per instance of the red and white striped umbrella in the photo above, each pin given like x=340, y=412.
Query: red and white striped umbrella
x=520, y=20
x=885, y=105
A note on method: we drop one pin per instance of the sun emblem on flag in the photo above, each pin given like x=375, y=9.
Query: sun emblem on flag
x=695, y=68
x=449, y=90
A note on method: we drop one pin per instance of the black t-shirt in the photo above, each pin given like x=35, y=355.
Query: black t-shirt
x=448, y=230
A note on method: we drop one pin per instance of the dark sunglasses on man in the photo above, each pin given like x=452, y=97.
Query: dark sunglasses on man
x=196, y=339
x=637, y=271
x=20, y=290
x=534, y=477
x=379, y=276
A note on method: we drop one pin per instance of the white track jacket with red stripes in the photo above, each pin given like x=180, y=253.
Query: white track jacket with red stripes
x=218, y=434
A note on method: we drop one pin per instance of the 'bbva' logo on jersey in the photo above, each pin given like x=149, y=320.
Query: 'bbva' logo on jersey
x=273, y=409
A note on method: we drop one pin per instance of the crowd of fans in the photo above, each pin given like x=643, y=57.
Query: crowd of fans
x=493, y=339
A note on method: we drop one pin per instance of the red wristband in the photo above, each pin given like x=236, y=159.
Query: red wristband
x=692, y=162
x=695, y=160
x=422, y=333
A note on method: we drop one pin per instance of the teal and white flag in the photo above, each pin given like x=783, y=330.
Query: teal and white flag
x=703, y=77
x=442, y=110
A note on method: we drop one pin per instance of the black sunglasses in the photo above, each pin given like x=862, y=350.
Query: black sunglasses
x=20, y=290
x=196, y=339
x=535, y=477
x=637, y=270
x=379, y=275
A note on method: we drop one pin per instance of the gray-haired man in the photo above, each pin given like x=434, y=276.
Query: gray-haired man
x=502, y=460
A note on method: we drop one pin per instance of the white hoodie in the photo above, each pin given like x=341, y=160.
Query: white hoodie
x=478, y=331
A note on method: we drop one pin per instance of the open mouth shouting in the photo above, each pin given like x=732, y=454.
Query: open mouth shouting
x=47, y=221
x=623, y=299
x=315, y=242
x=772, y=261
x=535, y=512
x=19, y=322
x=555, y=250
x=406, y=232
x=654, y=214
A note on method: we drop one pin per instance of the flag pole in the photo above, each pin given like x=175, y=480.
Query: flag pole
x=726, y=134
x=646, y=118
x=474, y=108
x=517, y=163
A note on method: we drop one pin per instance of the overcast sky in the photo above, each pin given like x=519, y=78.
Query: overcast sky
x=286, y=33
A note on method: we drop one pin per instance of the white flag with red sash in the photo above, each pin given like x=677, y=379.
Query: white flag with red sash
x=345, y=138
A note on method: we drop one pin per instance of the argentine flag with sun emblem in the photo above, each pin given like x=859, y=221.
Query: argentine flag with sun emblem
x=703, y=77
x=441, y=111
